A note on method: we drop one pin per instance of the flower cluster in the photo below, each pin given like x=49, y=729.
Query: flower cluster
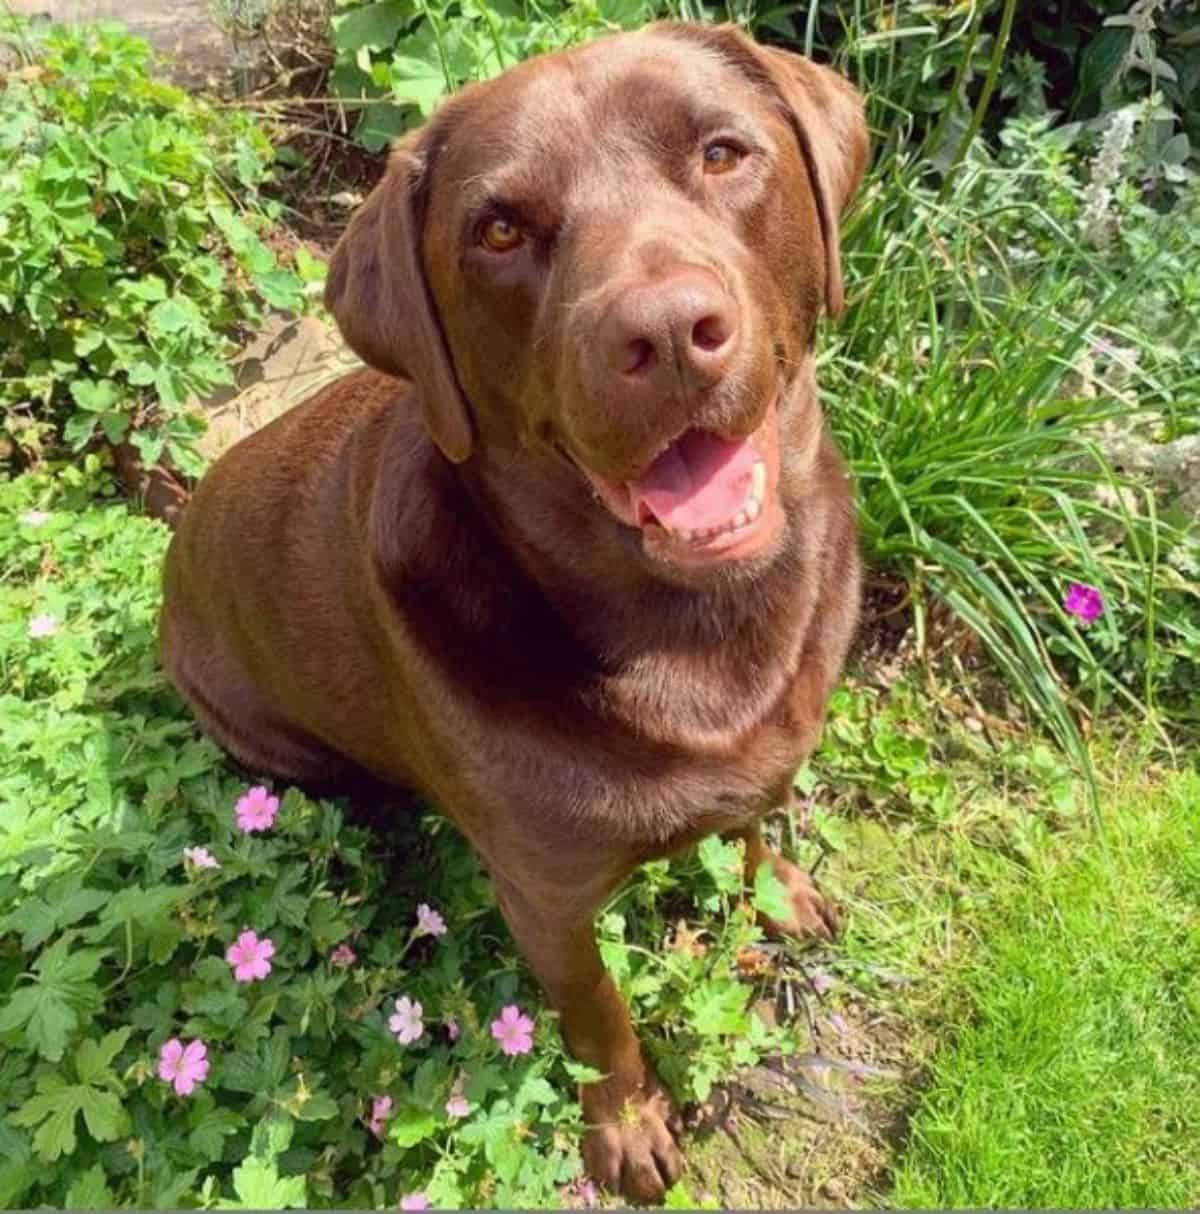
x=1107, y=170
x=184, y=1065
x=249, y=956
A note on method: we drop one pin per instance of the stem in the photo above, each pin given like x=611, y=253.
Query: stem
x=964, y=65
x=985, y=97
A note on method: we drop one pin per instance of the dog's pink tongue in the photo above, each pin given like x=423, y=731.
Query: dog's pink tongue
x=700, y=481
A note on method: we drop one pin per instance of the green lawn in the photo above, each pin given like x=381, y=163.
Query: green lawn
x=1071, y=1078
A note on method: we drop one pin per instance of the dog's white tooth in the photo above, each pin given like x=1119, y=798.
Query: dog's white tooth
x=740, y=519
x=758, y=481
x=753, y=509
x=684, y=534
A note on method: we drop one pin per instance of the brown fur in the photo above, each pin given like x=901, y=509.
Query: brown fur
x=414, y=580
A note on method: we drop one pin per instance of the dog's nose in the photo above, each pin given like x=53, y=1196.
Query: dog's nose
x=683, y=328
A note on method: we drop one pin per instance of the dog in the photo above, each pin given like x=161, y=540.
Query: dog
x=574, y=555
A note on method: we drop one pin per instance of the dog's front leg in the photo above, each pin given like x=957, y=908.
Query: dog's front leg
x=629, y=1142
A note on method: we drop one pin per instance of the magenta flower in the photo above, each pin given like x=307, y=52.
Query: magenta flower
x=381, y=1111
x=250, y=956
x=256, y=810
x=406, y=1020
x=414, y=1201
x=821, y=982
x=514, y=1031
x=429, y=922
x=200, y=857
x=1084, y=601
x=343, y=955
x=183, y=1068
x=451, y=1025
x=42, y=626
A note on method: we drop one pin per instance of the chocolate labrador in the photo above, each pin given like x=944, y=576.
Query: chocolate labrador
x=575, y=557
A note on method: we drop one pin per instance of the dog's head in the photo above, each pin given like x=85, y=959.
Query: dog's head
x=613, y=259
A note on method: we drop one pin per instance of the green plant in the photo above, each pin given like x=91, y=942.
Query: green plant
x=981, y=480
x=399, y=59
x=131, y=247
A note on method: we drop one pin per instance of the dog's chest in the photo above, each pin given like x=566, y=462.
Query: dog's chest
x=651, y=793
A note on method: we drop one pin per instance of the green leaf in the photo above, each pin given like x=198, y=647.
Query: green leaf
x=94, y=1059
x=679, y=1197
x=319, y=1106
x=534, y=1089
x=374, y=26
x=718, y=1007
x=770, y=895
x=420, y=82
x=46, y=1016
x=102, y=1113
x=210, y=1126
x=173, y=315
x=56, y=1135
x=114, y=425
x=94, y=396
x=411, y=1125
x=272, y=1136
x=90, y=1191
x=723, y=863
x=53, y=1110
x=380, y=123
x=260, y=1187
x=580, y=1072
x=1101, y=61
x=33, y=919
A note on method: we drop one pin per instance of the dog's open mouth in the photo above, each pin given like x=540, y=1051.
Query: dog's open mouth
x=706, y=497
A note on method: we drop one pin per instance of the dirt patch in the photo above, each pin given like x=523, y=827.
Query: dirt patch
x=813, y=1130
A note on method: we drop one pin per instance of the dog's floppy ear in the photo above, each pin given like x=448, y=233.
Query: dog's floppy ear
x=378, y=292
x=827, y=116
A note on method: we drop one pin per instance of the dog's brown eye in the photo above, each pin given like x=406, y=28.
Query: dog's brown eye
x=721, y=157
x=500, y=236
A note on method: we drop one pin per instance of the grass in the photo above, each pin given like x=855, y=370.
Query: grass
x=1071, y=1079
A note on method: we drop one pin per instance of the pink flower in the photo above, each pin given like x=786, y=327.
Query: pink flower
x=200, y=857
x=452, y=1029
x=429, y=922
x=43, y=626
x=256, y=810
x=250, y=956
x=35, y=518
x=1084, y=602
x=381, y=1110
x=183, y=1068
x=414, y=1201
x=584, y=1192
x=458, y=1105
x=406, y=1021
x=343, y=955
x=513, y=1030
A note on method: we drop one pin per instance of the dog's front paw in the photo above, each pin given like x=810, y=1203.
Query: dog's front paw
x=635, y=1152
x=813, y=915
